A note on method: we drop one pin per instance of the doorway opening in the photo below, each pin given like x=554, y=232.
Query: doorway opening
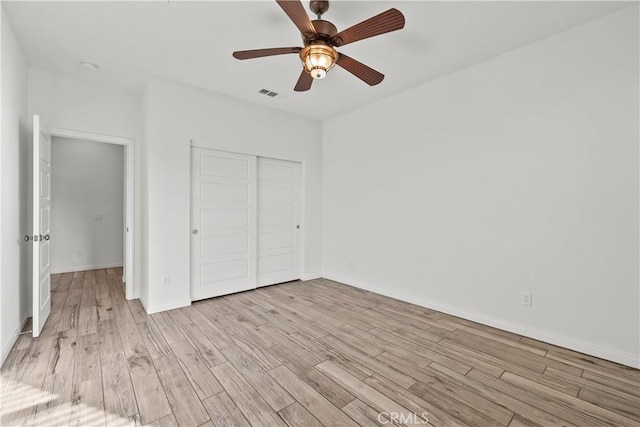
x=92, y=197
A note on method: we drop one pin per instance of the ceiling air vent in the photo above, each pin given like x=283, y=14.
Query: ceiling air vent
x=268, y=93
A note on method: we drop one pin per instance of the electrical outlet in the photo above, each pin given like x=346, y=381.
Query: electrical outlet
x=166, y=281
x=526, y=298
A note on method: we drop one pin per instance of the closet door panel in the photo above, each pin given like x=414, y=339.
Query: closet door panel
x=278, y=221
x=223, y=223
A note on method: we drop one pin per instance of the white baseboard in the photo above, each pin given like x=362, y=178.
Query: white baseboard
x=59, y=270
x=7, y=348
x=165, y=307
x=310, y=277
x=592, y=349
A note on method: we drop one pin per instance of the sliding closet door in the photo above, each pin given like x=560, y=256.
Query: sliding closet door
x=278, y=221
x=223, y=223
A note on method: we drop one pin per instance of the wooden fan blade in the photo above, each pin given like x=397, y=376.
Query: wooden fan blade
x=388, y=21
x=304, y=82
x=259, y=53
x=295, y=11
x=361, y=71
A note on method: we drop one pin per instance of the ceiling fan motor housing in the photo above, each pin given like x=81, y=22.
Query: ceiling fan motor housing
x=325, y=31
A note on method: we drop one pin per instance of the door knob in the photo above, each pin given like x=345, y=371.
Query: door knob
x=36, y=237
x=195, y=231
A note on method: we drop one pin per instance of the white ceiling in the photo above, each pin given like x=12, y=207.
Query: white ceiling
x=192, y=42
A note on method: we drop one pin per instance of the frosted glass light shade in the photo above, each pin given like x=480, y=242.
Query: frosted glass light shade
x=318, y=59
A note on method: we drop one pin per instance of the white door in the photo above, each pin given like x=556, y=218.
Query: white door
x=223, y=223
x=40, y=233
x=278, y=221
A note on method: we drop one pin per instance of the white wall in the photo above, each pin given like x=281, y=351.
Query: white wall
x=174, y=114
x=87, y=205
x=72, y=104
x=14, y=283
x=516, y=174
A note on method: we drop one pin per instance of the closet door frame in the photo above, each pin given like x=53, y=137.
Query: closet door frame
x=301, y=234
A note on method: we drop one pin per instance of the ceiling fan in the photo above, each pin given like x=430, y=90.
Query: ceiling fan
x=320, y=39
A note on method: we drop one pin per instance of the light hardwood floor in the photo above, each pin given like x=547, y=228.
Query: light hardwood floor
x=299, y=354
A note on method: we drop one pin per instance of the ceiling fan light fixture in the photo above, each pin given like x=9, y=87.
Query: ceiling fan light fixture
x=318, y=59
x=321, y=37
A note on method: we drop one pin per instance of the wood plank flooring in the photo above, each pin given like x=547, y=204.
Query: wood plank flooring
x=298, y=354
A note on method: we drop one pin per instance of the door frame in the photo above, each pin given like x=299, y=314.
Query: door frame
x=131, y=288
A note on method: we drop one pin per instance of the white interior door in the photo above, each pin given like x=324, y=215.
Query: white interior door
x=223, y=239
x=40, y=233
x=278, y=221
